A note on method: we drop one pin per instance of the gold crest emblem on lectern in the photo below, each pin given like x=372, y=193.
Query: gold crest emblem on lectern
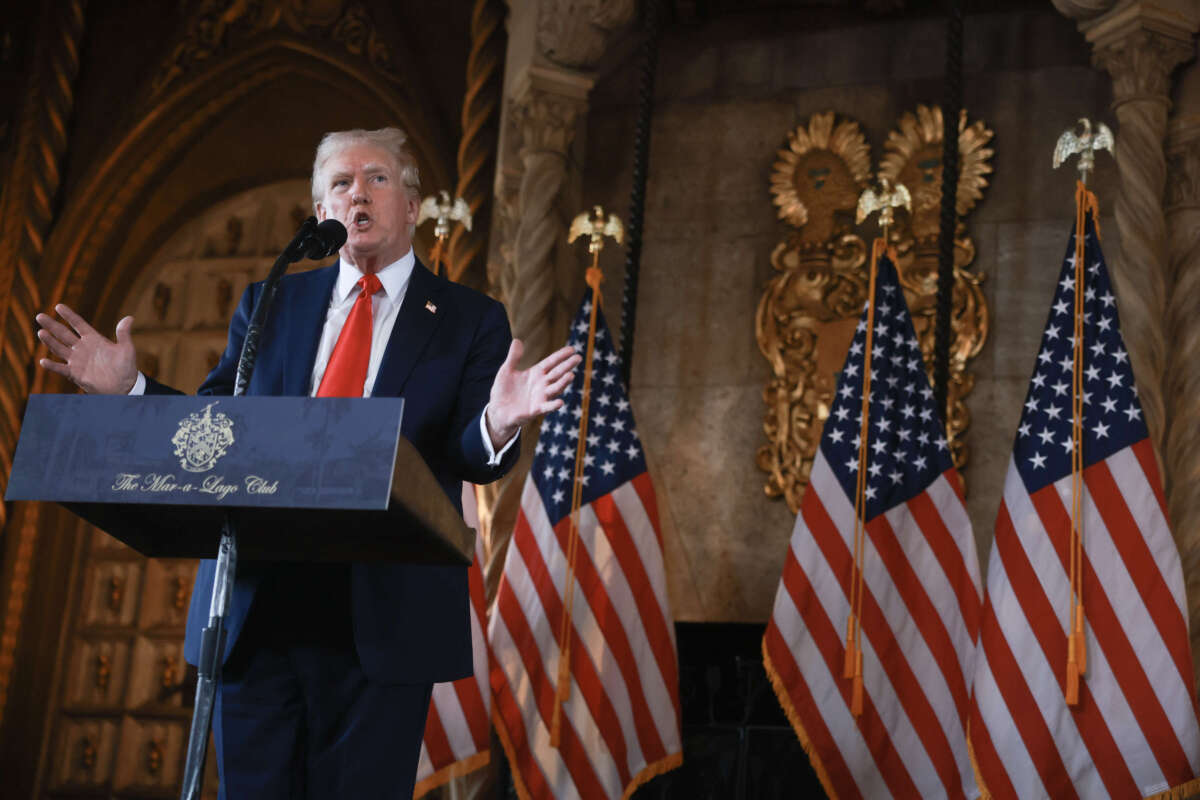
x=202, y=438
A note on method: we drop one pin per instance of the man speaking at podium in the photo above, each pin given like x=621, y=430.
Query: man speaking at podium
x=328, y=668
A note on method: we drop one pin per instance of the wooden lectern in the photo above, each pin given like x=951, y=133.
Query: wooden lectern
x=255, y=478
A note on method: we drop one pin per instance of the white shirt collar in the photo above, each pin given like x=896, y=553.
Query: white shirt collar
x=394, y=277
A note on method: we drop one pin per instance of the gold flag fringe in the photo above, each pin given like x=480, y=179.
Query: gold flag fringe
x=1180, y=792
x=645, y=774
x=449, y=772
x=651, y=771
x=793, y=717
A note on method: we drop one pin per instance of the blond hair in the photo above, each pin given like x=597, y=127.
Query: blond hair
x=393, y=140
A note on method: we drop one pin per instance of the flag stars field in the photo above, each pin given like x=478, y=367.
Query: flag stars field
x=619, y=720
x=920, y=583
x=1134, y=731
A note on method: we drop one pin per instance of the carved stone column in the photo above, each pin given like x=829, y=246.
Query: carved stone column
x=1182, y=452
x=546, y=121
x=1140, y=44
x=553, y=45
x=547, y=109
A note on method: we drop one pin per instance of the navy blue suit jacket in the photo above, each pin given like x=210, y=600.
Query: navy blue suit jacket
x=411, y=622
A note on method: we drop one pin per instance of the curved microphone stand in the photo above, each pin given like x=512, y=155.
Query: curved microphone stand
x=314, y=241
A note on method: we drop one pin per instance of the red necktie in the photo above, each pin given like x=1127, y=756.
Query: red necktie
x=347, y=370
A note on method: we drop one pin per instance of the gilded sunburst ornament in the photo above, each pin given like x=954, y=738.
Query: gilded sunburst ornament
x=810, y=306
x=913, y=157
x=821, y=172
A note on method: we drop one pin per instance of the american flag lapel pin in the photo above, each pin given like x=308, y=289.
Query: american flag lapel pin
x=430, y=307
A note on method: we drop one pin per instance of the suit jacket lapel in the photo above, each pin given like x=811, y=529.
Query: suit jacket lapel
x=418, y=318
x=304, y=321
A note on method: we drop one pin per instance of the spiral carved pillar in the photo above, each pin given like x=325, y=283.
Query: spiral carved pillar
x=1140, y=60
x=1183, y=366
x=545, y=123
x=477, y=148
x=34, y=175
x=31, y=186
x=553, y=45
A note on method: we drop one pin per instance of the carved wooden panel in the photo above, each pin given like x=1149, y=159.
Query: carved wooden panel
x=97, y=673
x=165, y=596
x=157, y=679
x=111, y=591
x=151, y=756
x=83, y=755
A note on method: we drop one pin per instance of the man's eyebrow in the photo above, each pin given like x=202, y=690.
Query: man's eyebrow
x=345, y=173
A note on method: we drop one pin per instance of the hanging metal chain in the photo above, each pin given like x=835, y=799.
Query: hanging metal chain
x=951, y=113
x=637, y=199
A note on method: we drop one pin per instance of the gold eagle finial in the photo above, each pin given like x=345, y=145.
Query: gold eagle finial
x=885, y=201
x=1085, y=144
x=440, y=207
x=593, y=223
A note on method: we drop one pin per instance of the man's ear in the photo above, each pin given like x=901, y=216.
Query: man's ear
x=320, y=212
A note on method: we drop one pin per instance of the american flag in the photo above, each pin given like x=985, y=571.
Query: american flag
x=1134, y=731
x=620, y=725
x=458, y=729
x=921, y=584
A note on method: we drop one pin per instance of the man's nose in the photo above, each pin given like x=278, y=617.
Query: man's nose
x=358, y=193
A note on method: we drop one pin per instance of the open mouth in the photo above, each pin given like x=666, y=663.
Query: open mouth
x=361, y=220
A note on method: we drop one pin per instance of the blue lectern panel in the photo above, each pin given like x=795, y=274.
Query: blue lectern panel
x=278, y=452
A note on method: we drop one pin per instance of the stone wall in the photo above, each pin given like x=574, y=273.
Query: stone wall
x=728, y=91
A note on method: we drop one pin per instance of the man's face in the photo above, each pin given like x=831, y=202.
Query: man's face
x=364, y=191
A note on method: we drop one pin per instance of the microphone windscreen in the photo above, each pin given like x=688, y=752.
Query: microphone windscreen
x=332, y=235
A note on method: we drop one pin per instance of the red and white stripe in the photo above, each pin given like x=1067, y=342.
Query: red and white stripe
x=457, y=731
x=621, y=724
x=1135, y=730
x=920, y=622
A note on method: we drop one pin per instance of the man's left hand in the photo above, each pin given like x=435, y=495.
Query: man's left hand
x=520, y=395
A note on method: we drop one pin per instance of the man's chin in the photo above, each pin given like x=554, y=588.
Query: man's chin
x=356, y=251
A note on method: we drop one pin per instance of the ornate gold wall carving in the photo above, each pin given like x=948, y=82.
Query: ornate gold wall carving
x=913, y=157
x=807, y=313
x=816, y=294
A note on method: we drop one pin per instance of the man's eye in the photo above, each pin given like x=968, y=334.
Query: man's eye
x=380, y=178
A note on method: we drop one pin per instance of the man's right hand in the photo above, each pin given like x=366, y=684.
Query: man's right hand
x=90, y=360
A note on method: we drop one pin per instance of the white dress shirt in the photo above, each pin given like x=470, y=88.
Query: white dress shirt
x=385, y=306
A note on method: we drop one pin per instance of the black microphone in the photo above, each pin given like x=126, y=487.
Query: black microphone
x=327, y=238
x=316, y=241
